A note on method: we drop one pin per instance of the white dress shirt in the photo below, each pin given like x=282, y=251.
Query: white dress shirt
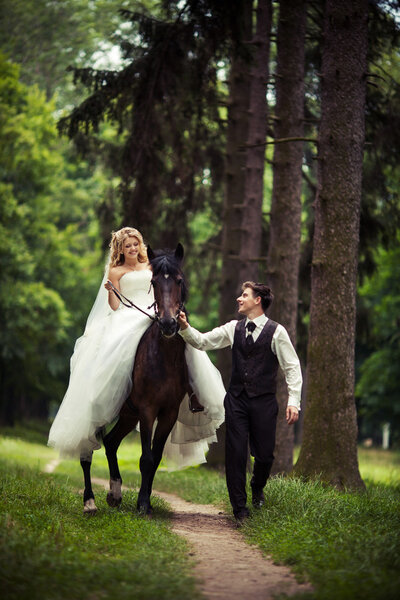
x=281, y=346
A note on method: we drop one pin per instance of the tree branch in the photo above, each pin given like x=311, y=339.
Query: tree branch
x=282, y=141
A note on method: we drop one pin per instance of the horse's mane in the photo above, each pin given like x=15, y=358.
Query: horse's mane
x=165, y=263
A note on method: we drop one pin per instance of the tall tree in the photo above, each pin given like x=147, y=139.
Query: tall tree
x=285, y=221
x=235, y=161
x=329, y=446
x=232, y=215
x=251, y=221
x=165, y=101
x=245, y=150
x=244, y=173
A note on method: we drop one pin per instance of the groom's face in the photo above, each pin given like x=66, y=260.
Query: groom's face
x=247, y=302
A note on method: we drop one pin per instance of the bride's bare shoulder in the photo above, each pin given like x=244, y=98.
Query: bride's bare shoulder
x=116, y=272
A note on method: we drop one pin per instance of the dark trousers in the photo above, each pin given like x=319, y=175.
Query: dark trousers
x=248, y=420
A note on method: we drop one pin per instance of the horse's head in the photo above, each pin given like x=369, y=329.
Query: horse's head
x=169, y=287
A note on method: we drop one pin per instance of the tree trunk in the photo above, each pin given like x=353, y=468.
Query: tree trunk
x=239, y=96
x=329, y=446
x=251, y=228
x=247, y=130
x=285, y=225
x=239, y=86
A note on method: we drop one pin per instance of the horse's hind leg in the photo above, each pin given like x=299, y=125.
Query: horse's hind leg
x=89, y=506
x=111, y=444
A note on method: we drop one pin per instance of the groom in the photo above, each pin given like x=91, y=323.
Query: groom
x=259, y=347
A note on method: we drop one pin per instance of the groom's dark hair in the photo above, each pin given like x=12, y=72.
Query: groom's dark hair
x=260, y=290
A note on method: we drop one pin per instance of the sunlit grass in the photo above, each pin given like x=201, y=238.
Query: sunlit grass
x=27, y=453
x=347, y=545
x=379, y=466
x=49, y=549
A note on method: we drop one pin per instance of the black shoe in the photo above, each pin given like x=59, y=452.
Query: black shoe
x=258, y=498
x=194, y=404
x=241, y=517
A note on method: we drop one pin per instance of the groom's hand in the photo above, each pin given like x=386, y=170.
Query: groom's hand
x=292, y=415
x=182, y=320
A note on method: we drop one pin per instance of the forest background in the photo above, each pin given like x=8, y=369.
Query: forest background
x=160, y=99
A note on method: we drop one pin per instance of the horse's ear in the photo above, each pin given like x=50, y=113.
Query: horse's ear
x=179, y=252
x=150, y=253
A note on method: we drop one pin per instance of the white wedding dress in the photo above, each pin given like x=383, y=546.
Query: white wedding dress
x=100, y=381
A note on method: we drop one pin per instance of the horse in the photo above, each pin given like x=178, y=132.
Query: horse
x=159, y=383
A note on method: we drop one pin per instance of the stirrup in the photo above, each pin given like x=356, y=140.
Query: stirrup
x=197, y=407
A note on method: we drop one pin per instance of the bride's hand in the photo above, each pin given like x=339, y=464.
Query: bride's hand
x=108, y=285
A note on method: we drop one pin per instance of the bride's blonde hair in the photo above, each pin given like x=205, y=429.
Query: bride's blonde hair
x=117, y=242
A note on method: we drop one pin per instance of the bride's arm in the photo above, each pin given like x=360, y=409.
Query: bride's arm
x=113, y=277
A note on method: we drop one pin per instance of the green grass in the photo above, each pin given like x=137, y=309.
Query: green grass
x=27, y=453
x=346, y=545
x=379, y=466
x=49, y=549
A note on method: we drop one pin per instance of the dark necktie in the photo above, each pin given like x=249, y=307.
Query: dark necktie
x=250, y=328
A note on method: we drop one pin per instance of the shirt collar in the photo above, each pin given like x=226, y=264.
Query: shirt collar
x=260, y=320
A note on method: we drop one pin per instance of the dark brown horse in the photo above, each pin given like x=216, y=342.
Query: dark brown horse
x=160, y=381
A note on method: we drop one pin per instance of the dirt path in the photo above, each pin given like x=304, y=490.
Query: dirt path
x=226, y=566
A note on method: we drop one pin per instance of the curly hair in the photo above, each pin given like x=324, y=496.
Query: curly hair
x=117, y=240
x=262, y=290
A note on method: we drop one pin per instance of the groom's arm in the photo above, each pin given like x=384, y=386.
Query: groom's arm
x=220, y=337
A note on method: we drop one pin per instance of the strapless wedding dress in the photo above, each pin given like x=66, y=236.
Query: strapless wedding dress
x=100, y=381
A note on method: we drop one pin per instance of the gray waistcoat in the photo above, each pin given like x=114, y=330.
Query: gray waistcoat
x=253, y=370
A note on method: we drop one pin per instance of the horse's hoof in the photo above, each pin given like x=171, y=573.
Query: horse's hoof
x=145, y=510
x=89, y=507
x=114, y=496
x=112, y=500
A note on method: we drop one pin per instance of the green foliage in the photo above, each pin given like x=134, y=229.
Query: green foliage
x=48, y=240
x=46, y=38
x=377, y=387
x=117, y=553
x=380, y=212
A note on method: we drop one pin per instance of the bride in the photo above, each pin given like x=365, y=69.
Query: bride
x=102, y=364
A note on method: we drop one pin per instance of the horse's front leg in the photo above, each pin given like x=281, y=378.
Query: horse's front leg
x=89, y=506
x=163, y=429
x=125, y=424
x=146, y=468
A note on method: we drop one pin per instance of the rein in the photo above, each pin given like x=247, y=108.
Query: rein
x=129, y=304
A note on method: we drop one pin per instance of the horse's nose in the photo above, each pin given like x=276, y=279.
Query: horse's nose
x=168, y=326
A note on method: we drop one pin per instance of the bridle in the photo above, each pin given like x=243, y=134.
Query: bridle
x=129, y=304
